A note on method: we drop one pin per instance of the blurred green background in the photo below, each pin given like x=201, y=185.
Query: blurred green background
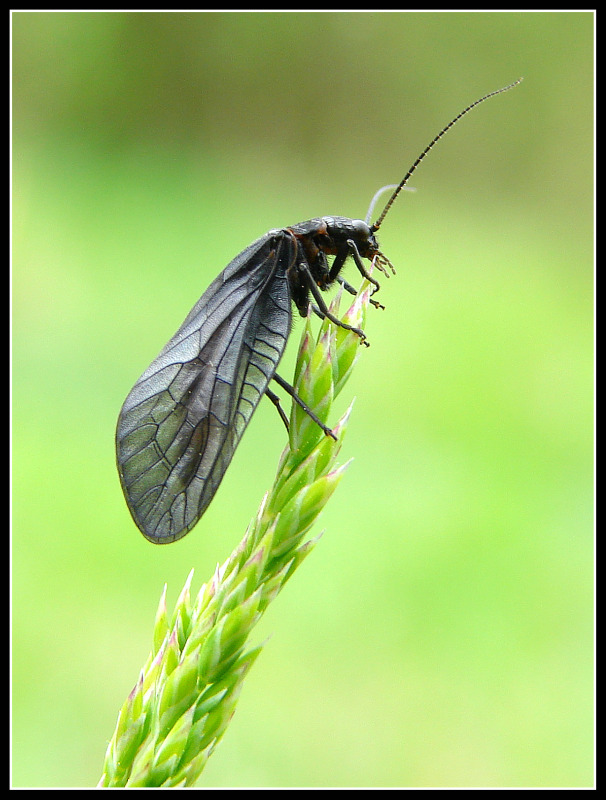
x=442, y=632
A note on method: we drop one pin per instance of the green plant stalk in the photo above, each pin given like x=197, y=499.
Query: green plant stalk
x=187, y=691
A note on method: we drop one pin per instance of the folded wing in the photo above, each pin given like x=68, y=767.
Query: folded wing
x=180, y=424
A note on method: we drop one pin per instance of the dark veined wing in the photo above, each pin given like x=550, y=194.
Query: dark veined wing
x=180, y=424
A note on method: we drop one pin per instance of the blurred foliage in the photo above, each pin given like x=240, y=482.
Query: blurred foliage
x=450, y=642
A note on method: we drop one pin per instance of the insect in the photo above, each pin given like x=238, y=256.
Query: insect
x=182, y=421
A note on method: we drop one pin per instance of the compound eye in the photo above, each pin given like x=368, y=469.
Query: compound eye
x=361, y=228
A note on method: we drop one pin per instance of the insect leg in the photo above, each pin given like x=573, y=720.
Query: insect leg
x=349, y=288
x=313, y=288
x=378, y=262
x=351, y=249
x=276, y=401
x=316, y=310
x=288, y=388
x=319, y=313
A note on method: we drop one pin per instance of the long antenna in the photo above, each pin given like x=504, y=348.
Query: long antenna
x=375, y=226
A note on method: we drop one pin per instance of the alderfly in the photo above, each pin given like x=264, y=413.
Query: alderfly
x=182, y=421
